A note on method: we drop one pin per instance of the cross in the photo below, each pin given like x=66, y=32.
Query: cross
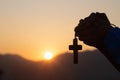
x=75, y=47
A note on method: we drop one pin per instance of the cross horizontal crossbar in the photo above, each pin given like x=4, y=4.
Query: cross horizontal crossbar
x=75, y=47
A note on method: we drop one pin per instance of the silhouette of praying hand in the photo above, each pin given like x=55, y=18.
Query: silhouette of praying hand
x=93, y=29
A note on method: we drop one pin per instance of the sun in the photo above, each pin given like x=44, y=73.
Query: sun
x=48, y=55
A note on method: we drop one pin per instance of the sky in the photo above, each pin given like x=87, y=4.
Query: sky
x=31, y=27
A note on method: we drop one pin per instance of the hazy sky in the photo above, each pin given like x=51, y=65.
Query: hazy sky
x=31, y=27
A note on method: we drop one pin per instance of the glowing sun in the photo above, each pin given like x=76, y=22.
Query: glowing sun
x=48, y=55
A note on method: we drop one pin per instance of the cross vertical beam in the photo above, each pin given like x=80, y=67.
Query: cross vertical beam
x=75, y=47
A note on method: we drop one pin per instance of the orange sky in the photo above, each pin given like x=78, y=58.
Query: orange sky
x=31, y=27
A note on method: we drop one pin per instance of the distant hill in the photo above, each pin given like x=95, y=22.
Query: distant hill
x=92, y=66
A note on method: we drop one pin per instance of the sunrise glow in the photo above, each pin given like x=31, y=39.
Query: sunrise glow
x=29, y=28
x=48, y=55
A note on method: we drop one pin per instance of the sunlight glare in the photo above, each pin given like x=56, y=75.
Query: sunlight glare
x=48, y=55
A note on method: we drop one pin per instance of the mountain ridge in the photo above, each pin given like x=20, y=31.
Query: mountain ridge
x=92, y=65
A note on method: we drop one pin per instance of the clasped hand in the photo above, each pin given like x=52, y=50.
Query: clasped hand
x=93, y=29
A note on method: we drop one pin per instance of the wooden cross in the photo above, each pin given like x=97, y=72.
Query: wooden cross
x=75, y=47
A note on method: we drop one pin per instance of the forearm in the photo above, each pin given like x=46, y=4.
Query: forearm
x=105, y=52
x=110, y=47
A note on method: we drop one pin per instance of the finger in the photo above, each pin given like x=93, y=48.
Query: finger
x=87, y=39
x=92, y=14
x=101, y=15
x=95, y=16
x=86, y=33
x=84, y=38
x=80, y=22
x=90, y=42
x=82, y=29
x=86, y=25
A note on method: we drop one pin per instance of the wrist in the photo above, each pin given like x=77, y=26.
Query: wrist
x=101, y=35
